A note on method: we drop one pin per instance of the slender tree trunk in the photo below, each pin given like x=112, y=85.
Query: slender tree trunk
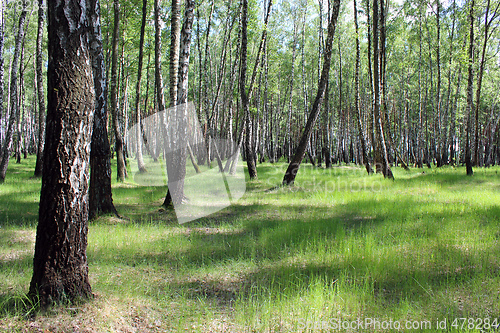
x=342, y=125
x=175, y=40
x=447, y=128
x=294, y=165
x=290, y=89
x=383, y=81
x=21, y=101
x=60, y=271
x=160, y=97
x=242, y=127
x=252, y=170
x=326, y=132
x=144, y=137
x=204, y=100
x=468, y=109
x=371, y=118
x=113, y=99
x=489, y=158
x=211, y=111
x=386, y=169
x=453, y=118
x=2, y=42
x=245, y=97
x=140, y=160
x=176, y=157
x=122, y=87
x=267, y=123
x=39, y=90
x=437, y=122
x=303, y=65
x=420, y=102
x=14, y=101
x=184, y=53
x=487, y=23
x=100, y=196
x=358, y=109
x=240, y=123
x=321, y=42
x=21, y=114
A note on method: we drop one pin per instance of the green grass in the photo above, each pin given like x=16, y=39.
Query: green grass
x=339, y=245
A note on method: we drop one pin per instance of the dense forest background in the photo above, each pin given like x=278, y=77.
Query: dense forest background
x=424, y=65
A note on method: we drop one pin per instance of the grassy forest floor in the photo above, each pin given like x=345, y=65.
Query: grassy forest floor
x=338, y=246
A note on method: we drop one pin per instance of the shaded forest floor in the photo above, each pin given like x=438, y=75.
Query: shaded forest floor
x=338, y=246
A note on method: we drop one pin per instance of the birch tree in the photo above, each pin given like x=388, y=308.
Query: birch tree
x=60, y=269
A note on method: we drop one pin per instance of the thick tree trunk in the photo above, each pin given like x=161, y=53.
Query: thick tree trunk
x=113, y=99
x=294, y=165
x=100, y=196
x=14, y=100
x=60, y=270
x=39, y=90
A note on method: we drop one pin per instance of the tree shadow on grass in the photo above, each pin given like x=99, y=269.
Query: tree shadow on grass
x=412, y=283
x=17, y=212
x=272, y=236
x=263, y=232
x=421, y=286
x=282, y=249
